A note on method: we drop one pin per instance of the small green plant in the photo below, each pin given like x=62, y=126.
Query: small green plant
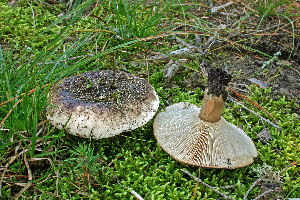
x=268, y=62
x=135, y=20
x=270, y=8
x=84, y=164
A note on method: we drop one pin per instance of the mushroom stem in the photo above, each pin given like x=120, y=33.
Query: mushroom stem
x=214, y=96
x=212, y=107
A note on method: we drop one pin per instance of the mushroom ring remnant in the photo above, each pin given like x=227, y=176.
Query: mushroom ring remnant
x=190, y=140
x=102, y=104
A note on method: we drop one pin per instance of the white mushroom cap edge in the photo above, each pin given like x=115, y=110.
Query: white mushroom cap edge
x=98, y=120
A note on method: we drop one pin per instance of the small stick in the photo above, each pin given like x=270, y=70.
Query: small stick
x=205, y=184
x=252, y=186
x=10, y=112
x=188, y=45
x=255, y=183
x=255, y=32
x=195, y=192
x=227, y=186
x=131, y=191
x=247, y=122
x=64, y=50
x=289, y=165
x=29, y=92
x=147, y=65
x=215, y=9
x=63, y=60
x=264, y=193
x=29, y=179
x=276, y=126
x=254, y=103
x=5, y=168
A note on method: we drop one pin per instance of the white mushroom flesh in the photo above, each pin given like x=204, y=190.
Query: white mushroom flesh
x=190, y=140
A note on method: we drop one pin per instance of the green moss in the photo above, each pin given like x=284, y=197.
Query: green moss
x=88, y=169
x=21, y=25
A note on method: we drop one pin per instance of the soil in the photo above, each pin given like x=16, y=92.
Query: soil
x=246, y=51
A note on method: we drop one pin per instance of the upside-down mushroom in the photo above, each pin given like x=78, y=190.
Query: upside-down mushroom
x=202, y=137
x=102, y=104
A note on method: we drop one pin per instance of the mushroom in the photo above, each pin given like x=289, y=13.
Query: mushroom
x=102, y=104
x=202, y=137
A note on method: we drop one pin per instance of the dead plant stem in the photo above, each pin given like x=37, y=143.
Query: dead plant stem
x=205, y=184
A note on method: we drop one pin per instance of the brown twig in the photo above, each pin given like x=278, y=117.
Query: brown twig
x=195, y=192
x=12, y=159
x=276, y=126
x=29, y=92
x=10, y=112
x=254, y=103
x=289, y=165
x=29, y=179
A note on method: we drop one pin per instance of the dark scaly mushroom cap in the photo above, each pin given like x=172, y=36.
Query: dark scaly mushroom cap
x=202, y=137
x=101, y=104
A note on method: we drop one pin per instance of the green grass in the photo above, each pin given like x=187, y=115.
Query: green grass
x=38, y=48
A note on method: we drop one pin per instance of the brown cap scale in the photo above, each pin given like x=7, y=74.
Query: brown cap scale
x=201, y=137
x=102, y=104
